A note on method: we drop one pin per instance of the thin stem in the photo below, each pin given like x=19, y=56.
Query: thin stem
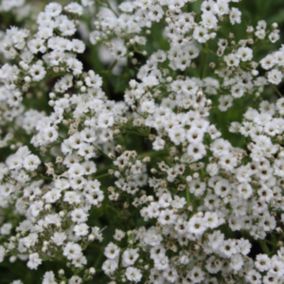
x=277, y=91
x=204, y=61
x=102, y=175
x=187, y=197
x=106, y=4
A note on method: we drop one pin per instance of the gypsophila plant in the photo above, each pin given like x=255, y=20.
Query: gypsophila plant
x=141, y=141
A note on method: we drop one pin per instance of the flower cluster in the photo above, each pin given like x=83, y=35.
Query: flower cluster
x=150, y=186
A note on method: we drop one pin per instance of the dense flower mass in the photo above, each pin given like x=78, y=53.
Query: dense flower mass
x=122, y=159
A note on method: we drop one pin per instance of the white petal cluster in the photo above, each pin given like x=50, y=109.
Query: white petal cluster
x=161, y=184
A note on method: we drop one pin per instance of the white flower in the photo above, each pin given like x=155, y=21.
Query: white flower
x=196, y=151
x=112, y=251
x=49, y=135
x=31, y=162
x=52, y=196
x=74, y=8
x=262, y=262
x=72, y=251
x=275, y=76
x=158, y=144
x=81, y=230
x=196, y=226
x=34, y=261
x=235, y=16
x=49, y=278
x=79, y=215
x=2, y=253
x=58, y=238
x=37, y=71
x=245, y=190
x=109, y=266
x=209, y=20
x=53, y=9
x=201, y=34
x=75, y=280
x=245, y=54
x=129, y=257
x=196, y=274
x=133, y=274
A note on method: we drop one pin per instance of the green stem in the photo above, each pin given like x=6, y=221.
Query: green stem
x=187, y=195
x=204, y=61
x=278, y=92
x=106, y=4
x=102, y=175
